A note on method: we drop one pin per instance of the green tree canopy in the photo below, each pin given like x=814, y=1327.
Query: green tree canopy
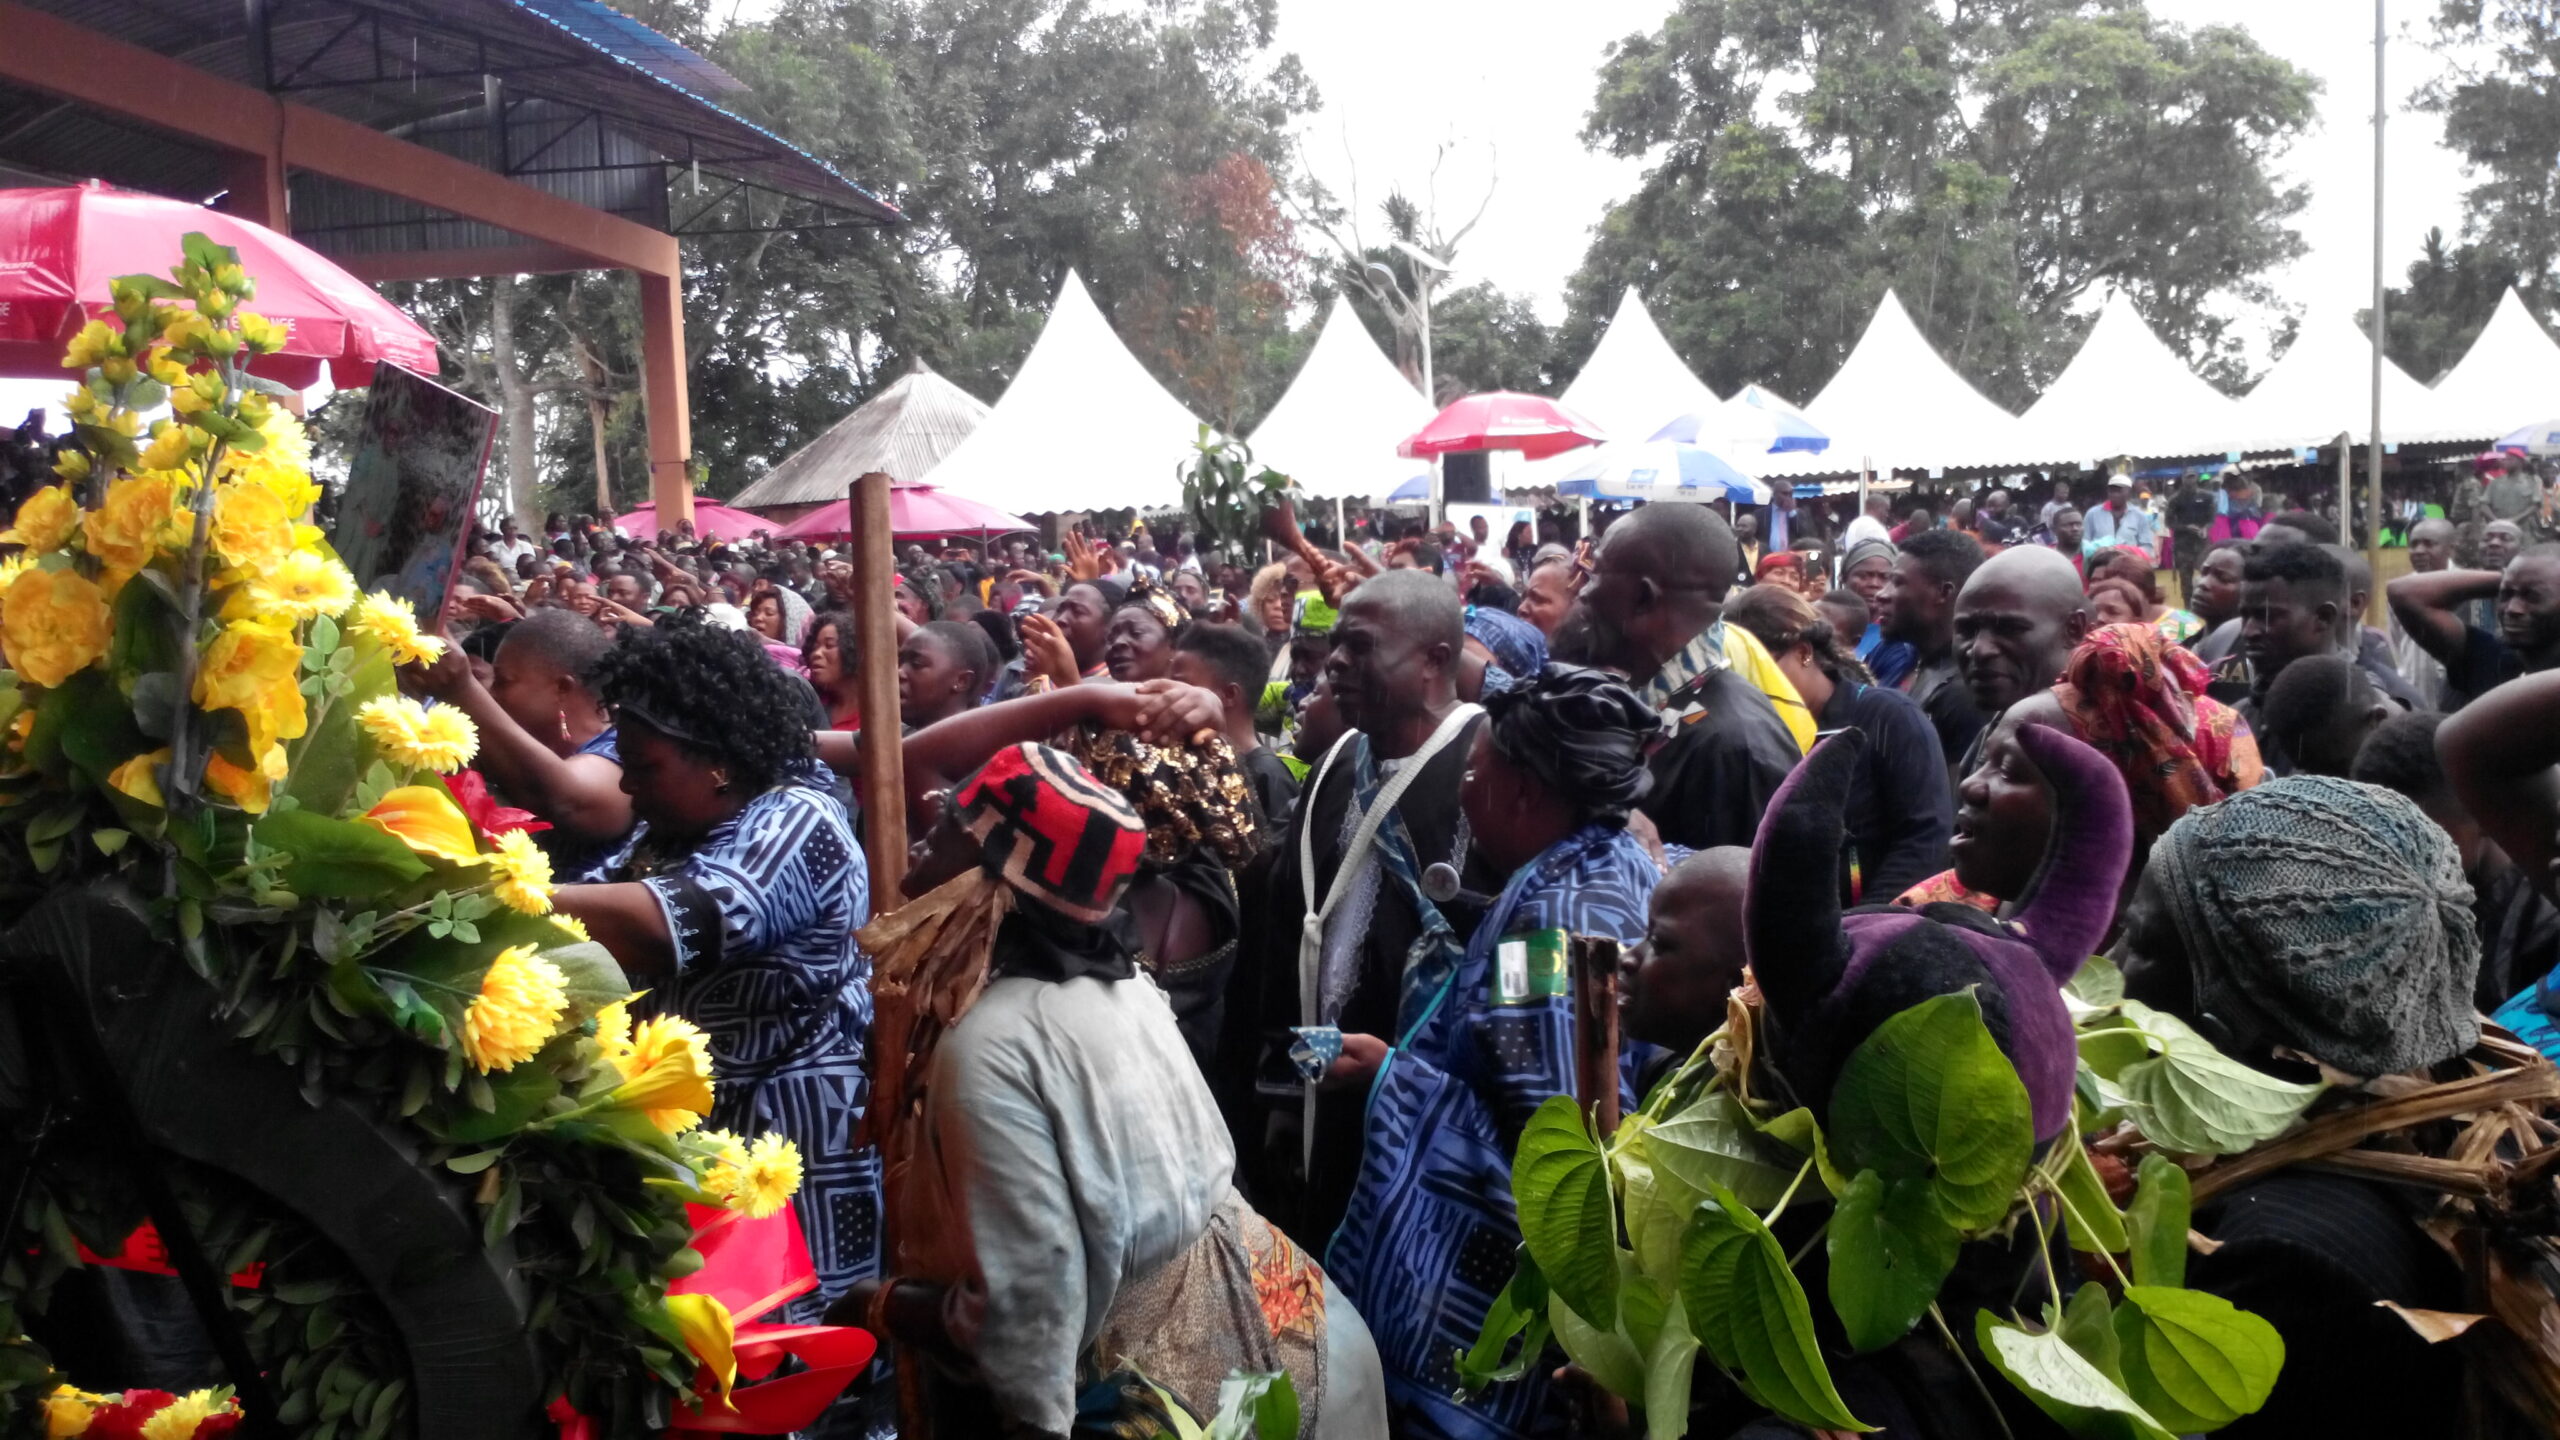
x=1994, y=162
x=2501, y=106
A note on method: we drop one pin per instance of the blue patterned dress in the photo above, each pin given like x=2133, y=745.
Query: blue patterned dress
x=762, y=911
x=1430, y=1235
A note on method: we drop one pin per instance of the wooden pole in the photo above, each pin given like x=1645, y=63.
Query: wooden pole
x=2373, y=436
x=1594, y=963
x=883, y=768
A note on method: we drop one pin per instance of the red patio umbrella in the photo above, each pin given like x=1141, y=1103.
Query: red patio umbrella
x=60, y=247
x=913, y=510
x=1534, y=425
x=711, y=519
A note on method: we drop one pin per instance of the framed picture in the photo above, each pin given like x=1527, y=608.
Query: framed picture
x=412, y=488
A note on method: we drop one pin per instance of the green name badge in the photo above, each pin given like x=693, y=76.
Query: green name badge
x=1528, y=967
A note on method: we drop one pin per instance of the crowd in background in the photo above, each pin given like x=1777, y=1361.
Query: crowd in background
x=1209, y=968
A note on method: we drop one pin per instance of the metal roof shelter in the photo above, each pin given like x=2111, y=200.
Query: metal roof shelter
x=421, y=140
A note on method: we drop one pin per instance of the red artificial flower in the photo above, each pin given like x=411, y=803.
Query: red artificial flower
x=487, y=816
x=123, y=1418
x=217, y=1425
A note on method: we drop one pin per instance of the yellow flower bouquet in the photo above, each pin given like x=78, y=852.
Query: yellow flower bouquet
x=200, y=710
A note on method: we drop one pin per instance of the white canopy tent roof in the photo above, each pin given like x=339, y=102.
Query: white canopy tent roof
x=2323, y=387
x=1897, y=402
x=904, y=431
x=1336, y=429
x=1083, y=426
x=2125, y=393
x=2510, y=377
x=1635, y=383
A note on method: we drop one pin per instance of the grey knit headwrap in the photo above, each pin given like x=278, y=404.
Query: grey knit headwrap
x=2327, y=916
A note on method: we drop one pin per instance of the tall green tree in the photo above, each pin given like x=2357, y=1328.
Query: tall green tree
x=1145, y=148
x=1996, y=162
x=2500, y=99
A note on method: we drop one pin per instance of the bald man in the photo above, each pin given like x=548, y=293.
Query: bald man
x=1392, y=673
x=1653, y=610
x=2018, y=618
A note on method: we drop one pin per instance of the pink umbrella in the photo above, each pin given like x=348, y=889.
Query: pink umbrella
x=59, y=247
x=1534, y=425
x=913, y=510
x=711, y=520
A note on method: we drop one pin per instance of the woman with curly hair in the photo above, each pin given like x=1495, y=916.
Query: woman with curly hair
x=734, y=904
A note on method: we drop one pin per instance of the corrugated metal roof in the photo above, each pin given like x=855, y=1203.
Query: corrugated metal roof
x=904, y=431
x=391, y=64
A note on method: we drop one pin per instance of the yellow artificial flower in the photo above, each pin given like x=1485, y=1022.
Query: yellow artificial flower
x=572, y=926
x=304, y=585
x=251, y=528
x=425, y=819
x=722, y=1159
x=523, y=874
x=613, y=1031
x=769, y=1179
x=292, y=484
x=71, y=466
x=201, y=392
x=53, y=625
x=185, y=329
x=288, y=444
x=248, y=789
x=13, y=566
x=388, y=620
x=521, y=1000
x=83, y=404
x=139, y=778
x=164, y=367
x=666, y=1071
x=407, y=733
x=178, y=1419
x=262, y=334
x=256, y=669
x=137, y=520
x=708, y=1331
x=67, y=1411
x=94, y=344
x=45, y=519
x=172, y=446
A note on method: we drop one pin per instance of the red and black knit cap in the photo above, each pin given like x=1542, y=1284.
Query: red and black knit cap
x=1053, y=831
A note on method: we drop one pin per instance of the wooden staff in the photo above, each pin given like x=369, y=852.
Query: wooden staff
x=875, y=625
x=1595, y=1028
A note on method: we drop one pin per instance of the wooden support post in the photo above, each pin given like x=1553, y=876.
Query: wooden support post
x=875, y=625
x=1594, y=962
x=662, y=379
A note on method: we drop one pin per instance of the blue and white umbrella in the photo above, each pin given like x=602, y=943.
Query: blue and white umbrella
x=1753, y=422
x=1661, y=470
x=1417, y=488
x=2541, y=439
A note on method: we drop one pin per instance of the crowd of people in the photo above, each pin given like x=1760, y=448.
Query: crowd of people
x=1227, y=965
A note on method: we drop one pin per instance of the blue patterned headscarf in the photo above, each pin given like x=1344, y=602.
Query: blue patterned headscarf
x=1516, y=644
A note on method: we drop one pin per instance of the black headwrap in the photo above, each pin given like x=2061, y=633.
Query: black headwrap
x=1582, y=732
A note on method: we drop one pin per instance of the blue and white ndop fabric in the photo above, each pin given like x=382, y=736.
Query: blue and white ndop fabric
x=763, y=913
x=1430, y=1233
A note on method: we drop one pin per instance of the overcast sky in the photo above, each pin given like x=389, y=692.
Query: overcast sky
x=1506, y=86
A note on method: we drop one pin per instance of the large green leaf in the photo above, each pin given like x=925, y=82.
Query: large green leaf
x=2091, y=1218
x=2156, y=1227
x=2095, y=985
x=1519, y=1310
x=1655, y=1202
x=1714, y=1142
x=1256, y=1405
x=338, y=859
x=2088, y=1326
x=328, y=760
x=2064, y=1383
x=1668, y=1366
x=1560, y=1184
x=2191, y=1098
x=1930, y=1097
x=1745, y=1307
x=1607, y=1354
x=1890, y=1251
x=2195, y=1361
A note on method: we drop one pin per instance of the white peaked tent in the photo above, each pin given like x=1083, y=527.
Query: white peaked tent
x=1336, y=429
x=1083, y=426
x=2323, y=386
x=2125, y=393
x=2509, y=377
x=1896, y=402
x=1634, y=383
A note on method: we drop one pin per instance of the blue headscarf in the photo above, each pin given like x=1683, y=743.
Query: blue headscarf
x=1516, y=644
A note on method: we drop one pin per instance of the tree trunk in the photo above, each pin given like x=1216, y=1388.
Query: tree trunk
x=515, y=406
x=597, y=380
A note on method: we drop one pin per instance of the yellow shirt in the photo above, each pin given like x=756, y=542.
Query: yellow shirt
x=1744, y=652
